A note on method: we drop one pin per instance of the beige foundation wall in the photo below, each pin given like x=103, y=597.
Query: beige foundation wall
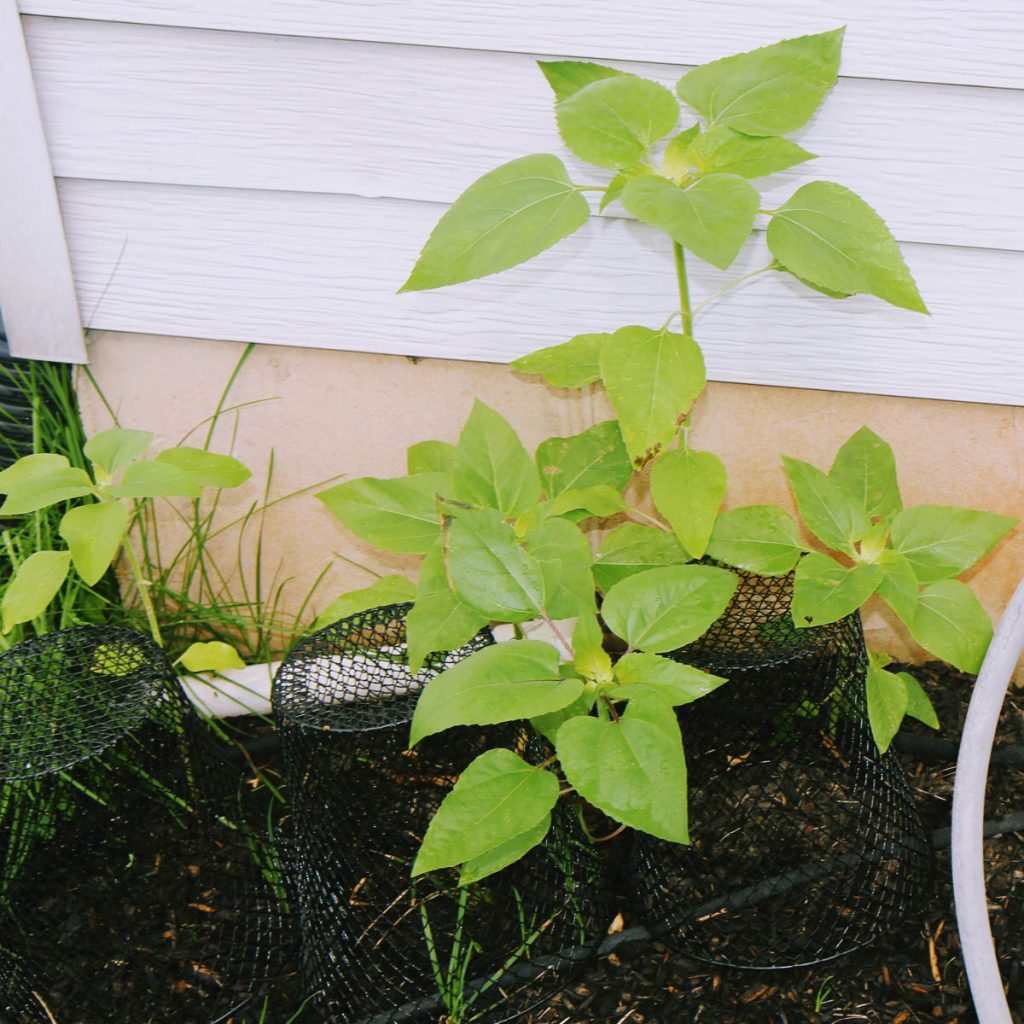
x=328, y=414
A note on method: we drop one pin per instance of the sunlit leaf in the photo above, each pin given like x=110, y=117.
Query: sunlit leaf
x=34, y=586
x=208, y=469
x=688, y=488
x=712, y=217
x=116, y=447
x=652, y=378
x=508, y=216
x=572, y=364
x=831, y=237
x=611, y=122
x=397, y=515
x=94, y=533
x=633, y=770
x=758, y=538
x=497, y=798
x=662, y=609
x=490, y=465
x=769, y=91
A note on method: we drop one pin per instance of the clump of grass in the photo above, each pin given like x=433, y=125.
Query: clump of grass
x=212, y=580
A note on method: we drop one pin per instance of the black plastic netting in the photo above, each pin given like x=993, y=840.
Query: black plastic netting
x=378, y=946
x=806, y=842
x=131, y=880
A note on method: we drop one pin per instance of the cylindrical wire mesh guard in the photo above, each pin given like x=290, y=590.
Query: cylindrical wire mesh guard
x=377, y=946
x=806, y=842
x=127, y=887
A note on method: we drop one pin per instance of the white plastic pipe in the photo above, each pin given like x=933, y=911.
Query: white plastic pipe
x=967, y=843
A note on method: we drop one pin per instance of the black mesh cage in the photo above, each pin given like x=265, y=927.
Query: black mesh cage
x=130, y=882
x=378, y=946
x=806, y=843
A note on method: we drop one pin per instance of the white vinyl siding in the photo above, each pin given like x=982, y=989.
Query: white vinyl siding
x=264, y=171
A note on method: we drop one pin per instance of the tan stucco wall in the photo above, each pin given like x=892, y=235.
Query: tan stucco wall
x=342, y=414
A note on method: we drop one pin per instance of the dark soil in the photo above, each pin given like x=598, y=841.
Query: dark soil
x=913, y=975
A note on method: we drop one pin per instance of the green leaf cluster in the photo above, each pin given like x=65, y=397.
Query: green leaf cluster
x=95, y=529
x=506, y=536
x=503, y=535
x=699, y=190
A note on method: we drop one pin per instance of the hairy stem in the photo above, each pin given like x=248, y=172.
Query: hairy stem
x=729, y=287
x=685, y=311
x=566, y=646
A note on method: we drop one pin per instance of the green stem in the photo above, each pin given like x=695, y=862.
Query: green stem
x=641, y=514
x=730, y=285
x=685, y=312
x=142, y=585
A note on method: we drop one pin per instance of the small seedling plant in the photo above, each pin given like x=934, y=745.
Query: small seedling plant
x=101, y=505
x=505, y=535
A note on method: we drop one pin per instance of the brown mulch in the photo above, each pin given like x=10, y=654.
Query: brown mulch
x=910, y=976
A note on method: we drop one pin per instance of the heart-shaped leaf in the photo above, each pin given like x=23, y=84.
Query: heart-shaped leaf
x=712, y=217
x=662, y=609
x=111, y=449
x=34, y=586
x=497, y=798
x=612, y=121
x=633, y=770
x=94, y=534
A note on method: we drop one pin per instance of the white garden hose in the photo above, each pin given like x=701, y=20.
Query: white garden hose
x=969, y=813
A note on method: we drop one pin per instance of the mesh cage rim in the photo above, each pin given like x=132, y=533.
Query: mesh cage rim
x=155, y=682
x=317, y=715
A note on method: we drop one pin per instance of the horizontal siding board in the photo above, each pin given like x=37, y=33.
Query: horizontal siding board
x=321, y=271
x=919, y=40
x=37, y=294
x=150, y=104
